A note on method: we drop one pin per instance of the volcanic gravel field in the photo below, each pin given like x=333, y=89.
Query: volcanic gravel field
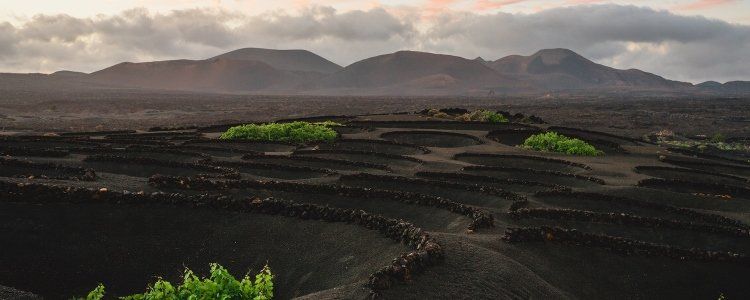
x=400, y=206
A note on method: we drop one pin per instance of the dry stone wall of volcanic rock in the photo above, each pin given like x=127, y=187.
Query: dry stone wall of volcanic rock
x=625, y=220
x=517, y=156
x=534, y=171
x=467, y=187
x=360, y=164
x=696, y=215
x=479, y=217
x=18, y=168
x=222, y=172
x=619, y=245
x=710, y=188
x=426, y=251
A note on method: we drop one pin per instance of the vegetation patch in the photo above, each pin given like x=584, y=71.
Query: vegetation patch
x=294, y=132
x=479, y=115
x=699, y=143
x=554, y=142
x=219, y=285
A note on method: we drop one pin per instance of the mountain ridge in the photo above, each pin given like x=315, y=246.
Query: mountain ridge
x=561, y=68
x=259, y=71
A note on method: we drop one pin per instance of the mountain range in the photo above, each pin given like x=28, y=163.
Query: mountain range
x=268, y=71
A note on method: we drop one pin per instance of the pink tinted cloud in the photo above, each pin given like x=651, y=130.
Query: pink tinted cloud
x=483, y=5
x=437, y=6
x=704, y=4
x=576, y=2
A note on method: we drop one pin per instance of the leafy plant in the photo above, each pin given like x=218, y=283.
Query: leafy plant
x=433, y=111
x=554, y=142
x=95, y=294
x=295, y=132
x=493, y=117
x=219, y=285
x=481, y=115
x=718, y=138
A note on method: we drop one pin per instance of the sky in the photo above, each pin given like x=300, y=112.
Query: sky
x=689, y=40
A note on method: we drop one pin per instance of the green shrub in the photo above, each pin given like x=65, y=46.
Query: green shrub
x=95, y=294
x=718, y=138
x=493, y=117
x=432, y=111
x=554, y=142
x=219, y=285
x=441, y=115
x=295, y=132
x=481, y=115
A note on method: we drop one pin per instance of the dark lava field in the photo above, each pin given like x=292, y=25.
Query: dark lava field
x=400, y=206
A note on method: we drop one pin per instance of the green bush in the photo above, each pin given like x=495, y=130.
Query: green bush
x=554, y=142
x=718, y=138
x=493, y=117
x=95, y=294
x=219, y=285
x=481, y=115
x=295, y=132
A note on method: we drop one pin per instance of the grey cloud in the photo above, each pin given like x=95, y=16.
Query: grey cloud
x=7, y=40
x=56, y=27
x=679, y=47
x=51, y=42
x=320, y=22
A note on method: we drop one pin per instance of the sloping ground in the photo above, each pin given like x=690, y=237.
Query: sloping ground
x=406, y=208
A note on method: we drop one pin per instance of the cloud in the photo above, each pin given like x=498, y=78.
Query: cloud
x=482, y=5
x=7, y=40
x=704, y=4
x=321, y=22
x=680, y=47
x=675, y=46
x=51, y=42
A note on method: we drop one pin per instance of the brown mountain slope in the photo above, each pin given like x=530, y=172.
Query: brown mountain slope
x=565, y=69
x=411, y=72
x=287, y=60
x=214, y=75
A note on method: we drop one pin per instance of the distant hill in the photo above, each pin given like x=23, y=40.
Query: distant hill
x=286, y=60
x=268, y=71
x=245, y=70
x=211, y=75
x=412, y=72
x=727, y=88
x=563, y=69
x=68, y=74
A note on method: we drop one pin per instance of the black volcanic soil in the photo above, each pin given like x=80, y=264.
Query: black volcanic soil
x=512, y=223
x=631, y=116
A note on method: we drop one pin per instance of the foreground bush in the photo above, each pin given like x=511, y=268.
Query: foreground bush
x=219, y=285
x=554, y=142
x=295, y=132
